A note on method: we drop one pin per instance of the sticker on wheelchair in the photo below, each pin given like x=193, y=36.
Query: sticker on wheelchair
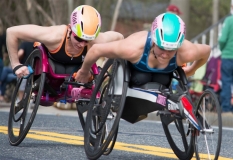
x=162, y=100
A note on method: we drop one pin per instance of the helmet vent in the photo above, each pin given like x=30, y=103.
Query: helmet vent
x=178, y=37
x=82, y=25
x=82, y=10
x=96, y=28
x=162, y=17
x=161, y=33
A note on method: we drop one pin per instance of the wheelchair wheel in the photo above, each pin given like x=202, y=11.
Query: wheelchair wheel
x=179, y=136
x=81, y=116
x=103, y=117
x=208, y=112
x=178, y=131
x=21, y=114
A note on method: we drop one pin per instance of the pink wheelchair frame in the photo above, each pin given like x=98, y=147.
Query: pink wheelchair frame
x=44, y=87
x=56, y=80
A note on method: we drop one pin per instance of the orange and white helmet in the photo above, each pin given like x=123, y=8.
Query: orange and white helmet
x=85, y=22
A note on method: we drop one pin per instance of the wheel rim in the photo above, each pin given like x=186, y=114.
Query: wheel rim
x=179, y=137
x=208, y=143
x=103, y=121
x=20, y=116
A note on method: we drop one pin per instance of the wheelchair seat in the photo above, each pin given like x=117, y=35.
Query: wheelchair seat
x=140, y=100
x=59, y=68
x=151, y=86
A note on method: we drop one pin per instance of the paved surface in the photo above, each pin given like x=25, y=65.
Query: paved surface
x=227, y=118
x=43, y=110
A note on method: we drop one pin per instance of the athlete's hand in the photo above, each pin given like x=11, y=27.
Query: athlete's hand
x=22, y=72
x=188, y=71
x=82, y=76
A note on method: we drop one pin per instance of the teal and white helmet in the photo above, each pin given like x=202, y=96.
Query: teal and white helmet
x=168, y=31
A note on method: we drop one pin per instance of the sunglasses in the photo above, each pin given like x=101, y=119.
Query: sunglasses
x=78, y=39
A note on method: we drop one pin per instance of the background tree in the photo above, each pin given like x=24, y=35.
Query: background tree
x=184, y=6
x=201, y=14
x=132, y=17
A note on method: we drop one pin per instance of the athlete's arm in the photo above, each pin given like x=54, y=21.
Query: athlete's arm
x=127, y=49
x=198, y=54
x=108, y=36
x=47, y=35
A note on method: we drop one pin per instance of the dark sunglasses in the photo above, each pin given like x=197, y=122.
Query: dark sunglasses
x=78, y=39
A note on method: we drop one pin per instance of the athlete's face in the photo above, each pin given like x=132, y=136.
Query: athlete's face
x=163, y=55
x=78, y=42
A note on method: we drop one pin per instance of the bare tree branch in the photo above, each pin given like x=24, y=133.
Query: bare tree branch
x=39, y=8
x=115, y=16
x=22, y=13
x=59, y=11
x=89, y=2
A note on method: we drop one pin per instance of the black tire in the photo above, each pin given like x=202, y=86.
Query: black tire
x=177, y=130
x=103, y=113
x=21, y=115
x=179, y=136
x=208, y=113
x=82, y=108
x=110, y=147
x=81, y=116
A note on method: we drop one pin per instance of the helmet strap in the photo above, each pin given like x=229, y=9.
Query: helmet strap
x=154, y=54
x=69, y=31
x=69, y=34
x=152, y=48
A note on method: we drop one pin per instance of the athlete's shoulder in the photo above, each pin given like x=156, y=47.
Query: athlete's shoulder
x=139, y=34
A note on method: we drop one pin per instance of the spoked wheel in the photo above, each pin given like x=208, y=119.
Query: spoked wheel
x=103, y=117
x=179, y=136
x=208, y=112
x=21, y=116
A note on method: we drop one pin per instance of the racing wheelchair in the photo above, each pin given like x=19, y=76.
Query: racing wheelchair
x=48, y=82
x=189, y=129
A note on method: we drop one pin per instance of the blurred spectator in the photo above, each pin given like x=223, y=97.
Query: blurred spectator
x=225, y=44
x=7, y=74
x=6, y=77
x=25, y=49
x=173, y=9
x=2, y=49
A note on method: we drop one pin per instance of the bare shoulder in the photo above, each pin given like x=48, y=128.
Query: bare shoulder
x=33, y=33
x=109, y=36
x=190, y=52
x=137, y=40
x=130, y=48
x=140, y=33
x=133, y=45
x=185, y=52
x=57, y=32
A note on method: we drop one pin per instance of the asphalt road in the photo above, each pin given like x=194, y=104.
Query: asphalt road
x=57, y=134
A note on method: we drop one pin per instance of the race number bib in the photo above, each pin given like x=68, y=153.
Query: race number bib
x=162, y=100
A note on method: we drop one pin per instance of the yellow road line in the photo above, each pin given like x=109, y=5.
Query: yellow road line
x=78, y=140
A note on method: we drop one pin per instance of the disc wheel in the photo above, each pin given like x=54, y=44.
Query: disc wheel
x=22, y=112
